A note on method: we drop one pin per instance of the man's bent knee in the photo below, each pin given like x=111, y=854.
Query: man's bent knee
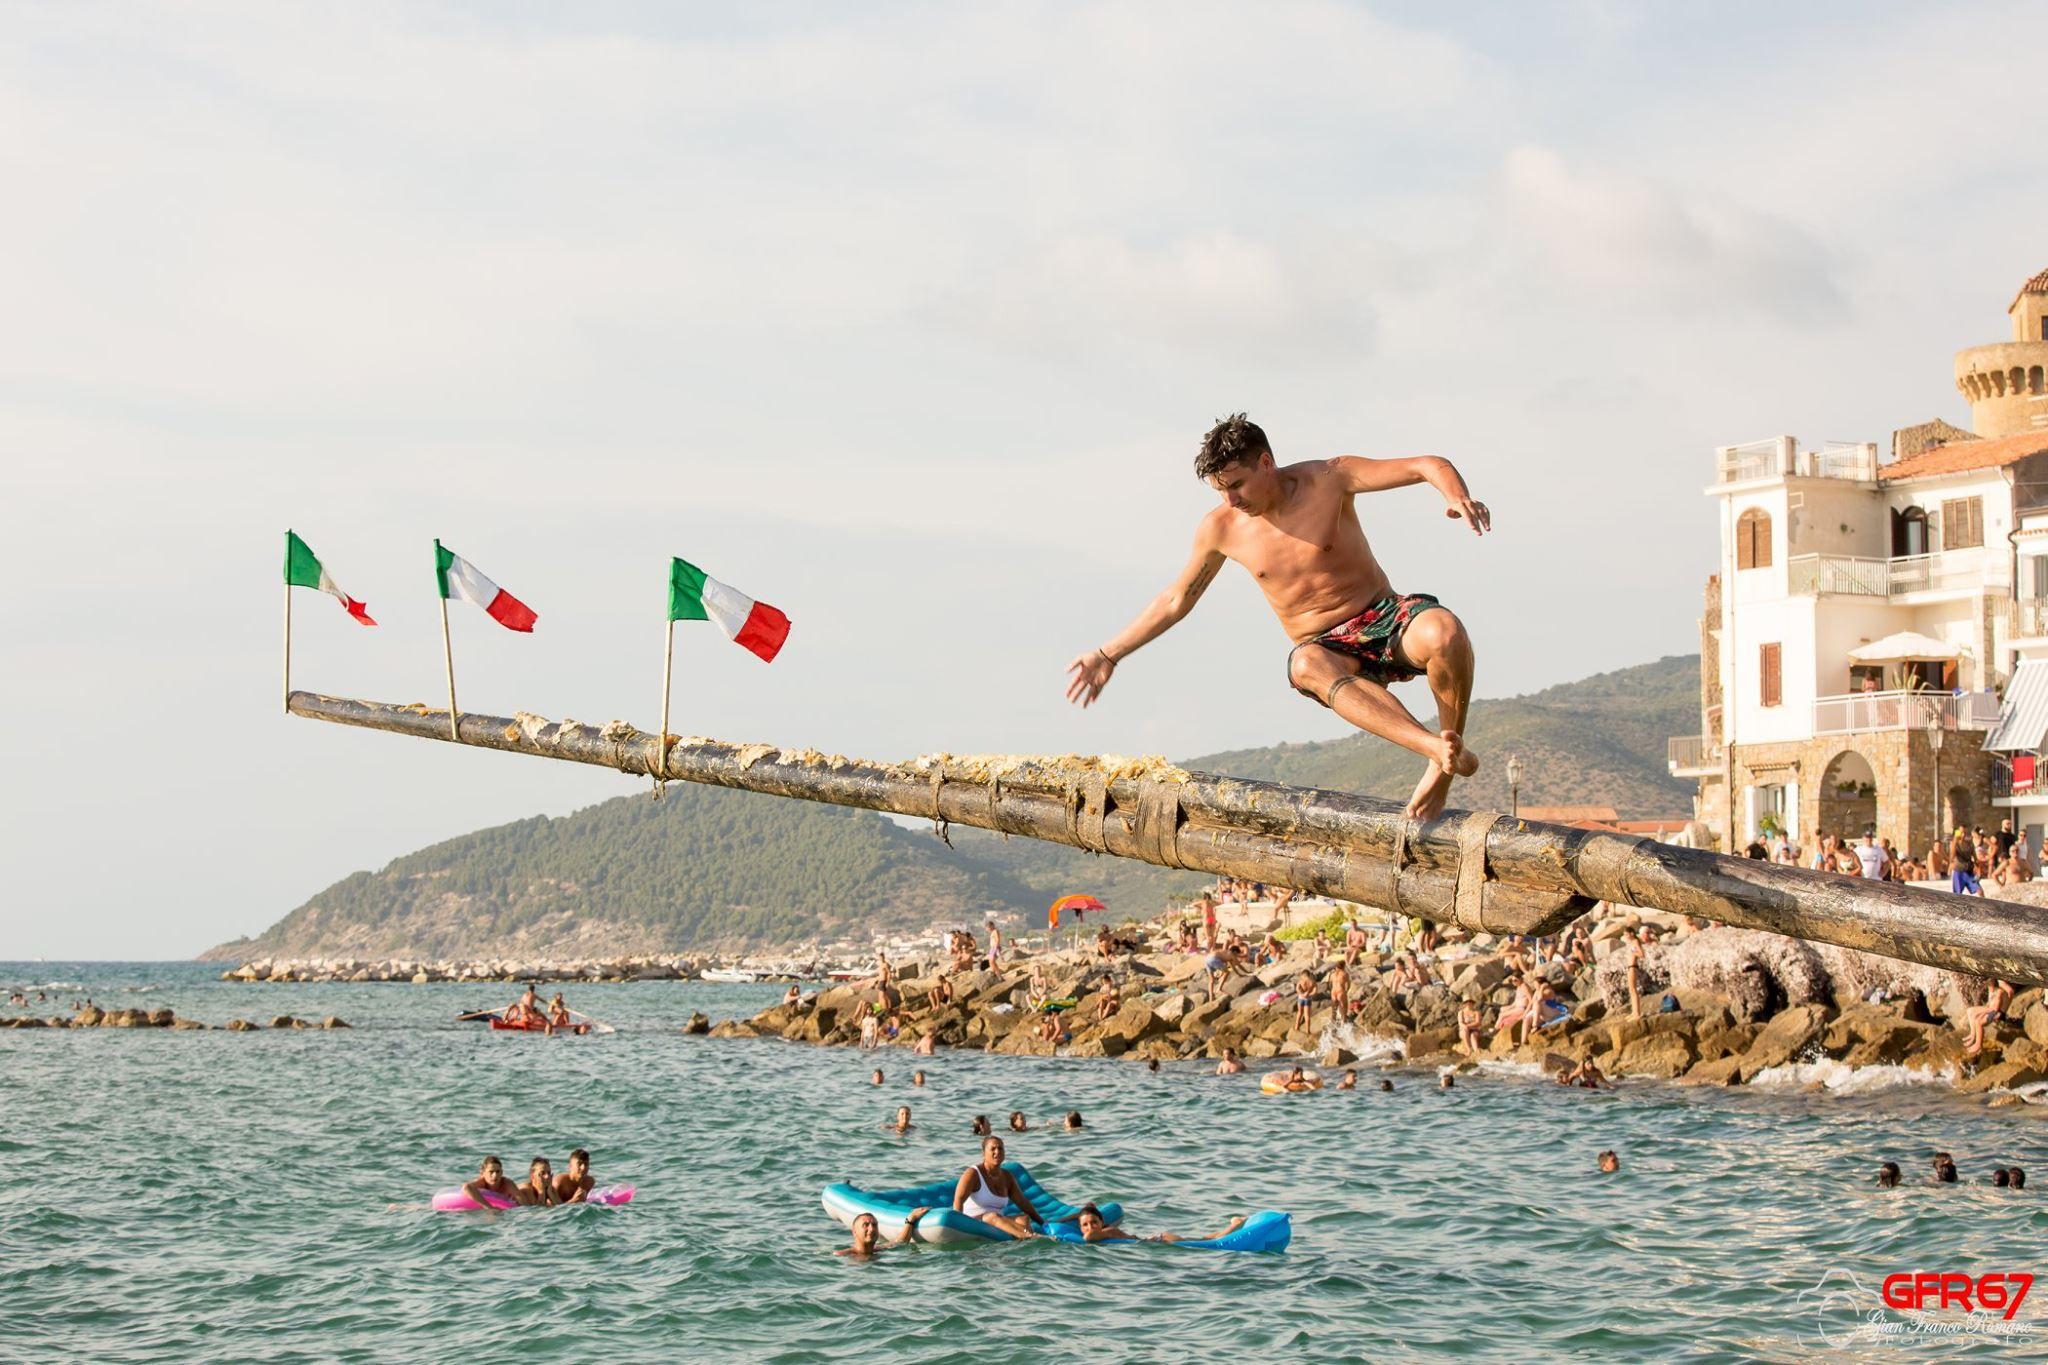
x=1435, y=633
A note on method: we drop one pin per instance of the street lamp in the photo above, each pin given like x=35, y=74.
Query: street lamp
x=1935, y=737
x=1514, y=784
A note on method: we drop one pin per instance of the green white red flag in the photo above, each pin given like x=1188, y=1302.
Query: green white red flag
x=694, y=595
x=303, y=569
x=457, y=577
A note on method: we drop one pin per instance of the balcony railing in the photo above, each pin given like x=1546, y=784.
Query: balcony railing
x=2029, y=618
x=1808, y=575
x=1692, y=753
x=1852, y=712
x=1782, y=456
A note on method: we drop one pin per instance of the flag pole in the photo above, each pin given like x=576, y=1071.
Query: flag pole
x=448, y=655
x=447, y=650
x=668, y=659
x=287, y=641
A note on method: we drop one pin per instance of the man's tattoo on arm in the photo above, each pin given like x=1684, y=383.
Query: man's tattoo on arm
x=1204, y=576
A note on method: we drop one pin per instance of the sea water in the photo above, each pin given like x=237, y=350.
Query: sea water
x=218, y=1196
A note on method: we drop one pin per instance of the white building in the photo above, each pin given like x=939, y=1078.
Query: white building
x=1860, y=631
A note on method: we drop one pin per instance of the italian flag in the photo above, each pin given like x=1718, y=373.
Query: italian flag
x=460, y=578
x=694, y=595
x=303, y=569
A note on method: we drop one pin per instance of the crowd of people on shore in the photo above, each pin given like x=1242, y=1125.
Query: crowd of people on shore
x=1966, y=859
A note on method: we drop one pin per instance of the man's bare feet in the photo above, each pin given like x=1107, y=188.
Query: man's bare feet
x=1430, y=794
x=1453, y=756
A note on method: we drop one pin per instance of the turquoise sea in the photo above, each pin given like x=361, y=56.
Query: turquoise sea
x=215, y=1196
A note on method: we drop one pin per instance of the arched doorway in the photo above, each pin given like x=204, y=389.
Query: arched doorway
x=1848, y=796
x=1958, y=812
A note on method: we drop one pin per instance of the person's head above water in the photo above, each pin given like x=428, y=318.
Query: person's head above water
x=917, y=1078
x=540, y=1169
x=2001, y=1177
x=981, y=1128
x=1945, y=1172
x=1888, y=1175
x=876, y=1078
x=1237, y=461
x=1090, y=1219
x=1151, y=1063
x=1609, y=1162
x=2016, y=1178
x=902, y=1116
x=1386, y=1084
x=1073, y=1119
x=1017, y=1123
x=491, y=1168
x=1446, y=1081
x=579, y=1163
x=867, y=1230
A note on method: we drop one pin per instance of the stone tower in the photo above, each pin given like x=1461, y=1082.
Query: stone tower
x=2007, y=381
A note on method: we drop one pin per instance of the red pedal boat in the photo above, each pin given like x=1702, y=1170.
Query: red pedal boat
x=499, y=1024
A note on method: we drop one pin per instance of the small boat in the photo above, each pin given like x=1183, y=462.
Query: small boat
x=502, y=1025
x=731, y=976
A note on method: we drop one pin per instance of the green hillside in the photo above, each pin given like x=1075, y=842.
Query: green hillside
x=1599, y=741
x=705, y=868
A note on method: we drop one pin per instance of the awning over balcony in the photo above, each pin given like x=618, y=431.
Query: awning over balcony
x=1907, y=647
x=2023, y=723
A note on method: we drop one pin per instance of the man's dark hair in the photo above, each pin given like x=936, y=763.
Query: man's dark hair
x=2016, y=1178
x=1945, y=1173
x=2001, y=1177
x=1888, y=1174
x=1087, y=1209
x=580, y=1155
x=1234, y=440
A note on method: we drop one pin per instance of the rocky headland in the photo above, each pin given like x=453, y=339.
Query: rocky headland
x=1719, y=1006
x=92, y=1016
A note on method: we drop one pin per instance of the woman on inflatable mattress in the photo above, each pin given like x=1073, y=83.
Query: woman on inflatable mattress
x=987, y=1191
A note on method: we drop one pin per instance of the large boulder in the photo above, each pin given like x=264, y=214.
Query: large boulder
x=162, y=1018
x=1668, y=1055
x=1719, y=1071
x=1134, y=1023
x=1790, y=1034
x=1756, y=973
x=2002, y=1076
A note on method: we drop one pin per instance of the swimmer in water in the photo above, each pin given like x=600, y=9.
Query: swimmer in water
x=1888, y=1176
x=1297, y=1081
x=539, y=1186
x=1230, y=1065
x=574, y=1185
x=1093, y=1229
x=867, y=1234
x=1609, y=1163
x=2018, y=1179
x=1584, y=1074
x=1073, y=1123
x=491, y=1179
x=902, y=1123
x=1349, y=1081
x=876, y=1078
x=1386, y=1086
x=917, y=1078
x=1446, y=1081
x=987, y=1191
x=1017, y=1123
x=980, y=1127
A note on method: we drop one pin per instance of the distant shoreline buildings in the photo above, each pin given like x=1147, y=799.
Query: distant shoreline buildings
x=1874, y=647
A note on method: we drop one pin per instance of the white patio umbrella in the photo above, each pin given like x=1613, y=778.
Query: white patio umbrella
x=1906, y=647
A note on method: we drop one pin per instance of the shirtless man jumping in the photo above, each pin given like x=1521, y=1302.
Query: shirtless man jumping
x=1295, y=529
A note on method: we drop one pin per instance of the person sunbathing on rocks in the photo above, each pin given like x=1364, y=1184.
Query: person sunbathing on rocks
x=1107, y=1001
x=574, y=1185
x=1990, y=1012
x=987, y=1192
x=1407, y=975
x=1469, y=1021
x=1093, y=1229
x=867, y=1234
x=491, y=1179
x=1295, y=529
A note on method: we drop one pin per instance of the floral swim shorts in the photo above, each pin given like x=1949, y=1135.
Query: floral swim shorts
x=1370, y=637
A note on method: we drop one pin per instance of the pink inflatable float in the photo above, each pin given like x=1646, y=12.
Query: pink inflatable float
x=457, y=1200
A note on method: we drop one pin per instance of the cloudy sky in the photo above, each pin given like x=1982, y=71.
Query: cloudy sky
x=906, y=318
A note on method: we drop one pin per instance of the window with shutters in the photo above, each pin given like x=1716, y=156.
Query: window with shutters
x=1753, y=540
x=1772, y=680
x=1962, y=523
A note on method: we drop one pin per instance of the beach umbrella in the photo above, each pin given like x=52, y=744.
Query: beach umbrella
x=1075, y=905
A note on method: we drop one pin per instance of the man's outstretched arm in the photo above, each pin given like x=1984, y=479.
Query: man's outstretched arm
x=1361, y=475
x=1091, y=671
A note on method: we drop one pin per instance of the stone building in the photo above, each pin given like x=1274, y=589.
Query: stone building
x=1866, y=614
